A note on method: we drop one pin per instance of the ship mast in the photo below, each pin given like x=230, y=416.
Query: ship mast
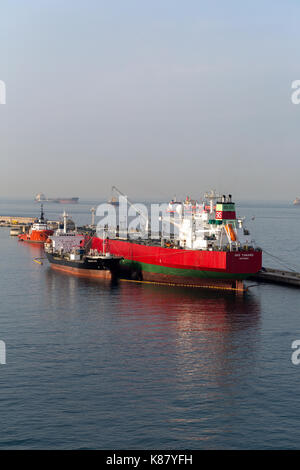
x=93, y=211
x=42, y=214
x=65, y=215
x=212, y=196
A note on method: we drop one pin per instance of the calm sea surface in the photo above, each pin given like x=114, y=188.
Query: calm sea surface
x=146, y=367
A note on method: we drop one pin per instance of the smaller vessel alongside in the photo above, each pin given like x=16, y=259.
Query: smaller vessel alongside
x=39, y=232
x=66, y=237
x=78, y=263
x=81, y=263
x=296, y=201
x=69, y=252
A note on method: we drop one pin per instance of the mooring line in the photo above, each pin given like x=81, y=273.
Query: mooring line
x=284, y=263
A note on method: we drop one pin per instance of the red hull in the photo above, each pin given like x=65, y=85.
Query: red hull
x=36, y=236
x=235, y=263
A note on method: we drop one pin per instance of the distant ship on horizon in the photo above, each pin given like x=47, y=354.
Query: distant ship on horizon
x=296, y=201
x=40, y=197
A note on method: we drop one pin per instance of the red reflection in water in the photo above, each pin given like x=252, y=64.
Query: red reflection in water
x=208, y=336
x=191, y=309
x=211, y=336
x=35, y=249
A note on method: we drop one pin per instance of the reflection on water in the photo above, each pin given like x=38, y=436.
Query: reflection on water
x=34, y=249
x=211, y=331
x=179, y=356
x=210, y=336
x=91, y=364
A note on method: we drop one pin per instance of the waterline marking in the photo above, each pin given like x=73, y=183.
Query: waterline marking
x=2, y=92
x=2, y=352
x=295, y=97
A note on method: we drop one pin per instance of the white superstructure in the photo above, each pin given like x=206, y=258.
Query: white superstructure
x=211, y=225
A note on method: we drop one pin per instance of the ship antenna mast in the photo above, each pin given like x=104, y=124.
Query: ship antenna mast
x=42, y=213
x=93, y=211
x=212, y=196
x=65, y=215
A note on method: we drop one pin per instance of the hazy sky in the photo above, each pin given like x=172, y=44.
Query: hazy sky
x=158, y=97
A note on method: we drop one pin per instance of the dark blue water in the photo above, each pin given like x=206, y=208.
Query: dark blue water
x=137, y=366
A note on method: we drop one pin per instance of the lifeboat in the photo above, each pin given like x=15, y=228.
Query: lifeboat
x=230, y=232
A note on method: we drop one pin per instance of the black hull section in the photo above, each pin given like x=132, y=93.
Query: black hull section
x=87, y=267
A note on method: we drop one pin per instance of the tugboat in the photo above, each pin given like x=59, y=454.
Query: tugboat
x=39, y=232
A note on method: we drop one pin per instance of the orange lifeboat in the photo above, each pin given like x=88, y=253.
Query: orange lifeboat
x=230, y=231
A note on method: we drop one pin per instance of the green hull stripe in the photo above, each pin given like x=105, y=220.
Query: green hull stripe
x=153, y=268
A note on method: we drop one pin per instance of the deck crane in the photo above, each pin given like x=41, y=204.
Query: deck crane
x=141, y=213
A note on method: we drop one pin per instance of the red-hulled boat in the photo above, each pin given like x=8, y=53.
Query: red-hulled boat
x=39, y=232
x=212, y=249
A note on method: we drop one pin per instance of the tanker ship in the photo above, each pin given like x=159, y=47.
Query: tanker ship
x=40, y=197
x=212, y=248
